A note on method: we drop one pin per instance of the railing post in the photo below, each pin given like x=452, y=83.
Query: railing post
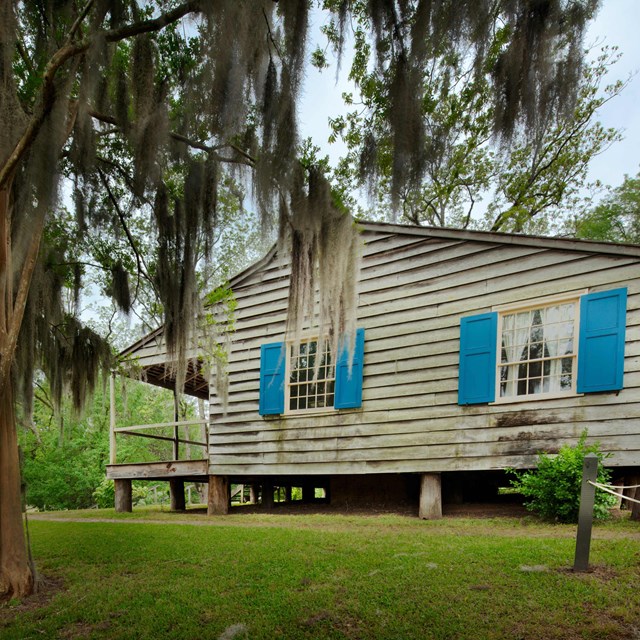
x=585, y=515
x=112, y=418
x=176, y=418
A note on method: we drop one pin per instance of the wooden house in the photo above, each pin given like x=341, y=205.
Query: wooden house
x=474, y=352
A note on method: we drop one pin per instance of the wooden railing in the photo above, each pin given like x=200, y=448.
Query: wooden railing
x=134, y=430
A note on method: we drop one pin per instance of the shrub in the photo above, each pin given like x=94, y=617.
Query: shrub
x=553, y=489
x=105, y=493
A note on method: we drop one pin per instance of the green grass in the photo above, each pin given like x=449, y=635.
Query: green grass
x=326, y=576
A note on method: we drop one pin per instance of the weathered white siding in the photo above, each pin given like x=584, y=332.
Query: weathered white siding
x=413, y=291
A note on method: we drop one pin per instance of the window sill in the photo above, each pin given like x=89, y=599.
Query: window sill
x=535, y=398
x=310, y=414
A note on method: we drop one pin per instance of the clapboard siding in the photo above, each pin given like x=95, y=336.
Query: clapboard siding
x=413, y=290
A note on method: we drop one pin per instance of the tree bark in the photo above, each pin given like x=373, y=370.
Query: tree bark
x=16, y=578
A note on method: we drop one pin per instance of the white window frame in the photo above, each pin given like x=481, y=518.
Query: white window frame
x=287, y=386
x=547, y=301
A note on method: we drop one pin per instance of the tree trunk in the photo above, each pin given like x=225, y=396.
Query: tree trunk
x=16, y=578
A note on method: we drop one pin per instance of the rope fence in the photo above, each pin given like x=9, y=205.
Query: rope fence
x=609, y=489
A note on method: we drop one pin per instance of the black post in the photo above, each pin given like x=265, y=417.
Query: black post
x=585, y=516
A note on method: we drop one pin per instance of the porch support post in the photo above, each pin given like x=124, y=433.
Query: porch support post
x=123, y=501
x=176, y=431
x=430, y=496
x=308, y=491
x=267, y=494
x=218, y=504
x=633, y=493
x=176, y=494
x=287, y=491
x=112, y=418
x=253, y=494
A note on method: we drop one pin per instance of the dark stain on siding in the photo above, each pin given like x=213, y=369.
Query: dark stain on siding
x=526, y=419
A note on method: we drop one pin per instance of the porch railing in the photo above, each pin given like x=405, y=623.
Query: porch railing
x=136, y=430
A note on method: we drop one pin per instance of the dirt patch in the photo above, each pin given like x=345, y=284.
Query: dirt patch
x=83, y=630
x=485, y=510
x=599, y=572
x=323, y=621
x=48, y=588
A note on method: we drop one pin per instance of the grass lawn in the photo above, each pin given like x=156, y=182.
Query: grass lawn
x=318, y=576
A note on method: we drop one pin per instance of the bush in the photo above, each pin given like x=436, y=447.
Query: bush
x=553, y=489
x=105, y=494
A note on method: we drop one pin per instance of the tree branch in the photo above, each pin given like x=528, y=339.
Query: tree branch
x=142, y=267
x=65, y=53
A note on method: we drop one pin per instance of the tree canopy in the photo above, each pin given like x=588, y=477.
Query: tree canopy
x=615, y=218
x=141, y=110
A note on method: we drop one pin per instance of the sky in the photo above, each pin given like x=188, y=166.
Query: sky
x=616, y=24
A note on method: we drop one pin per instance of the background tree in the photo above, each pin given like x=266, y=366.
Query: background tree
x=615, y=218
x=146, y=105
x=520, y=179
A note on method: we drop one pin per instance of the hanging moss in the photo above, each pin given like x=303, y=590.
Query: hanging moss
x=325, y=259
x=237, y=87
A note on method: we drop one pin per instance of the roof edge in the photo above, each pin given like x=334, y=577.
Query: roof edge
x=572, y=244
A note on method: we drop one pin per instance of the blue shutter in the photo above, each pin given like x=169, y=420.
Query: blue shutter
x=601, y=345
x=349, y=387
x=272, y=365
x=478, y=339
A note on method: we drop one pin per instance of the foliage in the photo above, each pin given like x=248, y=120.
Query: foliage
x=615, y=218
x=522, y=181
x=325, y=576
x=64, y=453
x=553, y=489
x=104, y=494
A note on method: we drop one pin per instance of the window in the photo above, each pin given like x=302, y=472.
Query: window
x=305, y=390
x=537, y=350
x=292, y=389
x=554, y=347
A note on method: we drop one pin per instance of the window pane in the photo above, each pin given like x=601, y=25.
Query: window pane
x=535, y=369
x=534, y=385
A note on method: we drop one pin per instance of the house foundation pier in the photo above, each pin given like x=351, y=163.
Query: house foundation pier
x=176, y=494
x=219, y=497
x=123, y=496
x=430, y=496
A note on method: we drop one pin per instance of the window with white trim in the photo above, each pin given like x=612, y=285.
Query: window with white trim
x=304, y=391
x=537, y=349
